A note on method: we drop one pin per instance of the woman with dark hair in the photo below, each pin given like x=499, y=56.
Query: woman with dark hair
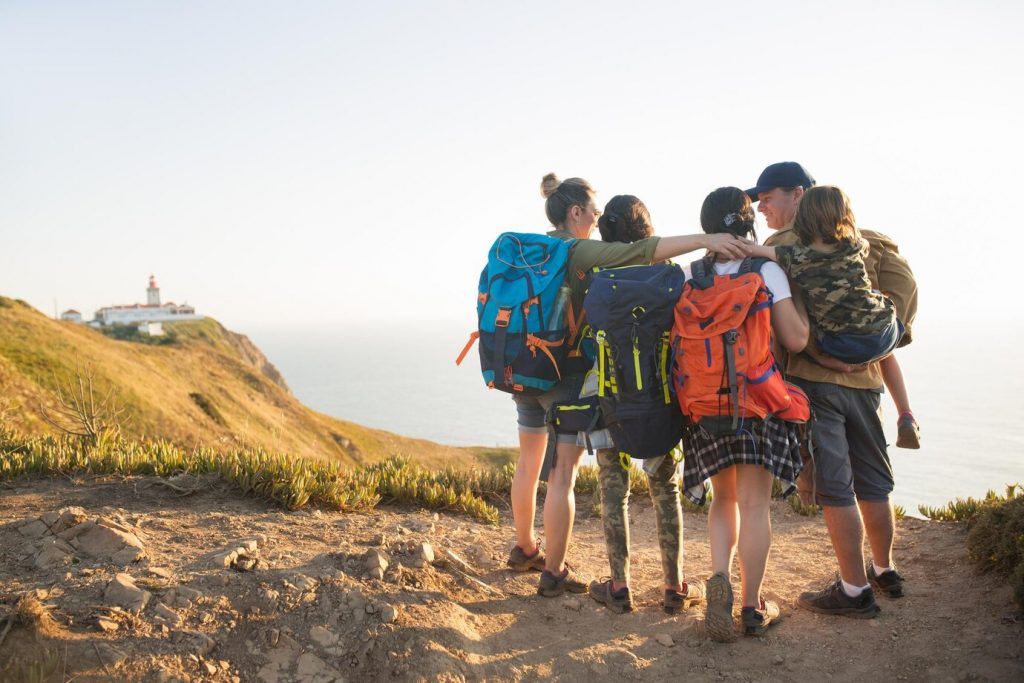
x=570, y=207
x=626, y=219
x=741, y=466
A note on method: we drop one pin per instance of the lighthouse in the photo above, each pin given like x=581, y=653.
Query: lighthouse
x=152, y=293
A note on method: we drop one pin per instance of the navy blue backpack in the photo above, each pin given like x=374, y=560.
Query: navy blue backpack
x=631, y=311
x=520, y=307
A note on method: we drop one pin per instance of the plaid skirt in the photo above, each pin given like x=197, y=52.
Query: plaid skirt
x=773, y=444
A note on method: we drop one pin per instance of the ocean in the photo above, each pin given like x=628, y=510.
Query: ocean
x=967, y=391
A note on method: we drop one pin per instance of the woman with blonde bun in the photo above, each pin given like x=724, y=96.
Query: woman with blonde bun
x=573, y=214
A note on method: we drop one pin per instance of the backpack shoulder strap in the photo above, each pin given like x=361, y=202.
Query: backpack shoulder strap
x=753, y=264
x=702, y=272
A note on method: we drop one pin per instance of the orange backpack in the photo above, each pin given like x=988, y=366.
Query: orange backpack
x=724, y=371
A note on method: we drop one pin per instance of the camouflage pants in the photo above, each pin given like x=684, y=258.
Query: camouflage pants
x=668, y=515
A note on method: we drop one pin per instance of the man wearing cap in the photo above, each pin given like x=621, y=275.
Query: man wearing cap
x=852, y=474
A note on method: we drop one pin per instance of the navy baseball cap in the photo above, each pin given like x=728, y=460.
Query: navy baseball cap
x=782, y=174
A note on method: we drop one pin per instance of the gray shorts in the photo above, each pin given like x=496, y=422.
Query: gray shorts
x=532, y=410
x=850, y=458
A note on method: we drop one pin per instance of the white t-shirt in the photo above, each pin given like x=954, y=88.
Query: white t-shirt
x=774, y=277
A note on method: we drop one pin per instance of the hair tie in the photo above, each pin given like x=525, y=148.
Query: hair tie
x=612, y=217
x=731, y=218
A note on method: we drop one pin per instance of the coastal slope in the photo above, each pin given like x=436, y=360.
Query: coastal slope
x=200, y=385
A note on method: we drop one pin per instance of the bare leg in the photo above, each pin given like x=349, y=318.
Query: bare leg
x=723, y=521
x=847, y=532
x=754, y=492
x=524, y=487
x=880, y=524
x=560, y=506
x=893, y=377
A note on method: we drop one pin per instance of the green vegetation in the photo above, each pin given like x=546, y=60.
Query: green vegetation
x=995, y=541
x=132, y=334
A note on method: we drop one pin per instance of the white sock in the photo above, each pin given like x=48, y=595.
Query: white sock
x=880, y=570
x=853, y=591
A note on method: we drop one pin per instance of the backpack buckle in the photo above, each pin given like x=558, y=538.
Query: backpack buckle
x=504, y=314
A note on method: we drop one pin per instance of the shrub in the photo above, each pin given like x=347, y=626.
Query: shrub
x=206, y=405
x=996, y=540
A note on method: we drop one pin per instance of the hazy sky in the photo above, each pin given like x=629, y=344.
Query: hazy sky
x=301, y=162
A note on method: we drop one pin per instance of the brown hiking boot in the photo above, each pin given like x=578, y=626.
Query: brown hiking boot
x=551, y=586
x=718, y=615
x=617, y=601
x=693, y=593
x=519, y=561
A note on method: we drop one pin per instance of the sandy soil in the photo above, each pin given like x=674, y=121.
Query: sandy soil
x=309, y=611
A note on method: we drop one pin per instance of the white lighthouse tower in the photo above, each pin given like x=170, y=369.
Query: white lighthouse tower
x=152, y=293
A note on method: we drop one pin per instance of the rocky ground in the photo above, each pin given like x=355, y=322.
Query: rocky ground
x=183, y=580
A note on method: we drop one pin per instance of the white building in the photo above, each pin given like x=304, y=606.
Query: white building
x=141, y=315
x=71, y=315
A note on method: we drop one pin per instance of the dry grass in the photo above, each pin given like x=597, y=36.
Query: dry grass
x=156, y=386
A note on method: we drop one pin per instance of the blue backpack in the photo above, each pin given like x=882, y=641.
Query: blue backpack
x=631, y=310
x=521, y=311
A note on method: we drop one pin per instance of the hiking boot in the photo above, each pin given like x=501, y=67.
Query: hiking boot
x=617, y=601
x=908, y=433
x=889, y=583
x=693, y=593
x=834, y=600
x=756, y=621
x=519, y=561
x=552, y=586
x=718, y=615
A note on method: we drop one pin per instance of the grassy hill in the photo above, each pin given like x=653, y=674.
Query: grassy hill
x=200, y=385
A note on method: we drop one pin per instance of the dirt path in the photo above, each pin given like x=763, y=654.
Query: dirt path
x=309, y=612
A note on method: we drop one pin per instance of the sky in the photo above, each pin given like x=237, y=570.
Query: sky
x=302, y=163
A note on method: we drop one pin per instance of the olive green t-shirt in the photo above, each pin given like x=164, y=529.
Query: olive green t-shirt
x=586, y=255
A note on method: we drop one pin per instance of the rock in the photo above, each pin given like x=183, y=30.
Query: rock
x=160, y=572
x=106, y=625
x=370, y=609
x=200, y=644
x=425, y=552
x=379, y=540
x=247, y=563
x=164, y=614
x=224, y=560
x=210, y=668
x=376, y=573
x=249, y=545
x=376, y=559
x=388, y=613
x=190, y=594
x=572, y=604
x=323, y=637
x=34, y=529
x=123, y=592
x=778, y=659
x=304, y=583
x=665, y=639
x=51, y=556
x=104, y=539
x=313, y=669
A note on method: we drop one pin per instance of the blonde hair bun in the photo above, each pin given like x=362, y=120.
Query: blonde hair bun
x=549, y=185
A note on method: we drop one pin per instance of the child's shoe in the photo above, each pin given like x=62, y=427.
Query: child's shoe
x=908, y=433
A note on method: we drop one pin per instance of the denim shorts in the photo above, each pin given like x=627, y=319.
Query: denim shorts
x=862, y=348
x=851, y=462
x=532, y=410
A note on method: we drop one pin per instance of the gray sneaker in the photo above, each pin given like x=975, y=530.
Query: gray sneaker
x=834, y=600
x=718, y=615
x=551, y=586
x=519, y=561
x=889, y=584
